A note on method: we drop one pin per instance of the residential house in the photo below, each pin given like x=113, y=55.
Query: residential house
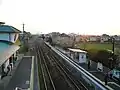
x=117, y=38
x=77, y=39
x=93, y=38
x=62, y=39
x=105, y=38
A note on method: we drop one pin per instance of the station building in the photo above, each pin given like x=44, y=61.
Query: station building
x=8, y=48
x=78, y=55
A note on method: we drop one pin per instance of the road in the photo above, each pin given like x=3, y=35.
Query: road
x=21, y=76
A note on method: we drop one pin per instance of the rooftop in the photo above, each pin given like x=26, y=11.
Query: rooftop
x=8, y=29
x=77, y=50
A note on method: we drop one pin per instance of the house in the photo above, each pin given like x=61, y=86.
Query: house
x=77, y=38
x=117, y=38
x=62, y=39
x=8, y=47
x=93, y=38
x=105, y=38
x=65, y=40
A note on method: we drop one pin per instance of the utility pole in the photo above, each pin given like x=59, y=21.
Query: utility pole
x=23, y=33
x=23, y=29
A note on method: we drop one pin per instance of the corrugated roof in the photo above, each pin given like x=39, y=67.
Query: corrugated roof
x=77, y=50
x=7, y=52
x=8, y=29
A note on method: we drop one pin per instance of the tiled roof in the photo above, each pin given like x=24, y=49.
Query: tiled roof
x=8, y=29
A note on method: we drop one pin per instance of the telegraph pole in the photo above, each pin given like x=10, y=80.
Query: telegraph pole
x=23, y=29
x=23, y=33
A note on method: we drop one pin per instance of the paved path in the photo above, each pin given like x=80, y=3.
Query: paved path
x=21, y=76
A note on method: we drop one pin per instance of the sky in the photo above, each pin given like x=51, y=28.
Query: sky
x=68, y=16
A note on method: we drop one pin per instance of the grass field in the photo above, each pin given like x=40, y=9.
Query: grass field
x=96, y=46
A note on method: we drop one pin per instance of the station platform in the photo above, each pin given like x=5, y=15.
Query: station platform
x=21, y=75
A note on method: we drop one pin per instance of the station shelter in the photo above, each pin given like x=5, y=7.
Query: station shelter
x=78, y=55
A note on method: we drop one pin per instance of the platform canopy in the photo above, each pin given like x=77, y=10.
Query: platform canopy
x=77, y=50
x=6, y=51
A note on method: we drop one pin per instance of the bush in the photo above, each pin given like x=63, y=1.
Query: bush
x=102, y=56
x=23, y=49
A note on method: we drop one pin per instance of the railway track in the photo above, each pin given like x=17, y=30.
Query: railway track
x=78, y=84
x=46, y=82
x=52, y=74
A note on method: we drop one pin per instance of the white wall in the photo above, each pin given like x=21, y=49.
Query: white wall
x=93, y=38
x=82, y=58
x=14, y=37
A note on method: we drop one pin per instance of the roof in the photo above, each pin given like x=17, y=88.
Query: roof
x=77, y=50
x=6, y=51
x=8, y=29
x=3, y=46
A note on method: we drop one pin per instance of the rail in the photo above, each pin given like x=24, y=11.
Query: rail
x=45, y=73
x=79, y=85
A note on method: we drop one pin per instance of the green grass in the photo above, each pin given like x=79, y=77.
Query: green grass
x=96, y=46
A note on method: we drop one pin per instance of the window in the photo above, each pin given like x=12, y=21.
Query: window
x=82, y=56
x=15, y=37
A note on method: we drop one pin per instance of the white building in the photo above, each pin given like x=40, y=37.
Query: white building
x=93, y=38
x=105, y=38
x=78, y=55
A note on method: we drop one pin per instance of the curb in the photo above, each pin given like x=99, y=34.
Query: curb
x=32, y=75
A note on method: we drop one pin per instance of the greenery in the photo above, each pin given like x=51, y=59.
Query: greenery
x=23, y=48
x=95, y=46
x=99, y=52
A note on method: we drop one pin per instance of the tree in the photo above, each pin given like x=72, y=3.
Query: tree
x=105, y=35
